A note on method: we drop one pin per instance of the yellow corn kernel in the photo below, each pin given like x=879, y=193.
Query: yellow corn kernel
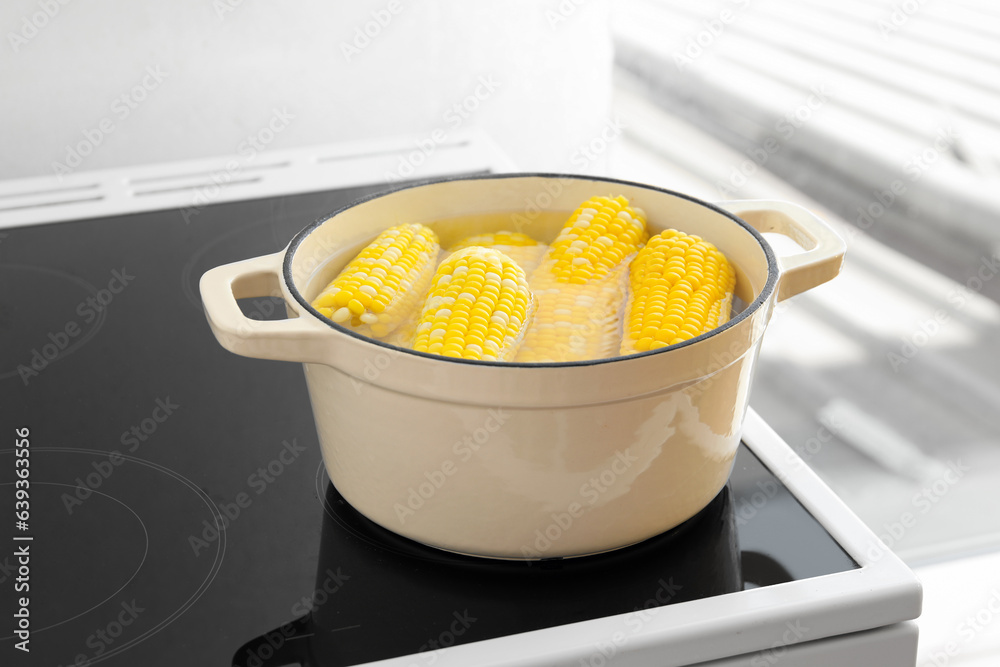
x=521, y=248
x=479, y=307
x=680, y=286
x=385, y=283
x=581, y=283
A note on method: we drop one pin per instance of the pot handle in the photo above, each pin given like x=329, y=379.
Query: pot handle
x=824, y=249
x=297, y=338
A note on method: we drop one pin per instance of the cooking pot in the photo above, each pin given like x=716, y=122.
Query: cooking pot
x=511, y=460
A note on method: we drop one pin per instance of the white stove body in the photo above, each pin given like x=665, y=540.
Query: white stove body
x=859, y=617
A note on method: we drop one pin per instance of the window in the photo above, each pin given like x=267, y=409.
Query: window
x=884, y=119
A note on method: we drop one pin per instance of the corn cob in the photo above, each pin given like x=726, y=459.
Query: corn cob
x=478, y=308
x=521, y=248
x=385, y=283
x=680, y=287
x=581, y=283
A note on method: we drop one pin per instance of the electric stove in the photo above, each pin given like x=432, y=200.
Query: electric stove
x=174, y=507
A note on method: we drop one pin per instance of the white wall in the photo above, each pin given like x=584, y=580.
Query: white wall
x=224, y=66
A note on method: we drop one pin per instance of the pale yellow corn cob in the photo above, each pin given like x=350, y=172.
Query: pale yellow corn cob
x=581, y=284
x=680, y=286
x=385, y=284
x=479, y=307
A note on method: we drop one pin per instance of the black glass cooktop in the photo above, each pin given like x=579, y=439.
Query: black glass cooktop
x=177, y=508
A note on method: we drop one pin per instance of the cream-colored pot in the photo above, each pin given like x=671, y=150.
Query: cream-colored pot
x=513, y=460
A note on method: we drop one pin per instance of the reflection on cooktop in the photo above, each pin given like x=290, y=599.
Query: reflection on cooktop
x=370, y=579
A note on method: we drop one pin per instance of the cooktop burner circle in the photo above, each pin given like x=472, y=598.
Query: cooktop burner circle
x=225, y=249
x=73, y=314
x=90, y=520
x=119, y=564
x=356, y=524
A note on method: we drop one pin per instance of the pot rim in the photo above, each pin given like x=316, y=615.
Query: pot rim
x=766, y=293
